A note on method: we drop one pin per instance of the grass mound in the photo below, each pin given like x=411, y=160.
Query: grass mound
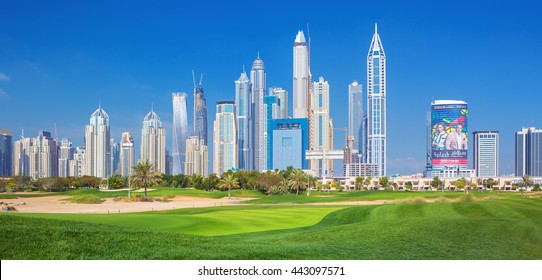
x=87, y=199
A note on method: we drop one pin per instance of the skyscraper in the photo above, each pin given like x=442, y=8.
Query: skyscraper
x=5, y=153
x=257, y=77
x=271, y=111
x=282, y=96
x=64, y=157
x=43, y=156
x=127, y=154
x=115, y=156
x=376, y=104
x=200, y=111
x=197, y=157
x=77, y=164
x=21, y=156
x=355, y=118
x=243, y=113
x=180, y=132
x=98, y=145
x=289, y=139
x=486, y=153
x=153, y=142
x=529, y=152
x=321, y=125
x=225, y=137
x=301, y=77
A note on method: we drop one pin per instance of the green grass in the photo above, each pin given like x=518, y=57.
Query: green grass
x=506, y=228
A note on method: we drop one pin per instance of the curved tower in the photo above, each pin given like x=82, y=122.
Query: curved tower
x=200, y=112
x=243, y=116
x=257, y=77
x=180, y=131
x=376, y=104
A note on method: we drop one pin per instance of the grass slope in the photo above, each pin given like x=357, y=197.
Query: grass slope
x=489, y=229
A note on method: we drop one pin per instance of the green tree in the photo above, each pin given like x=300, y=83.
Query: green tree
x=395, y=186
x=359, y=183
x=196, y=181
x=269, y=179
x=144, y=175
x=229, y=182
x=336, y=185
x=383, y=182
x=526, y=182
x=436, y=183
x=409, y=185
x=367, y=181
x=298, y=180
x=210, y=182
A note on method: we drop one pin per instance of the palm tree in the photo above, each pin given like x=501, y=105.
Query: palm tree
x=297, y=180
x=145, y=175
x=229, y=182
x=359, y=182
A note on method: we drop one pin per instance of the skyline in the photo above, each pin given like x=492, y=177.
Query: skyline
x=130, y=62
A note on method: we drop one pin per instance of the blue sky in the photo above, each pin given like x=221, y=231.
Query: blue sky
x=59, y=59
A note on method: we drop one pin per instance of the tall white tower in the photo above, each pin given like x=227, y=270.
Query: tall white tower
x=180, y=131
x=243, y=114
x=356, y=116
x=98, y=145
x=225, y=138
x=153, y=142
x=376, y=104
x=321, y=125
x=257, y=77
x=127, y=155
x=301, y=77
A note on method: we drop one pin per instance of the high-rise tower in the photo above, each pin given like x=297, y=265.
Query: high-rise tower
x=98, y=145
x=127, y=154
x=301, y=77
x=243, y=113
x=376, y=104
x=486, y=153
x=64, y=156
x=180, y=131
x=257, y=77
x=321, y=125
x=200, y=111
x=5, y=153
x=153, y=142
x=282, y=96
x=225, y=137
x=528, y=155
x=355, y=119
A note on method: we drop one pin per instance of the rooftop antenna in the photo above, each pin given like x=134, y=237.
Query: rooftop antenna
x=376, y=28
x=56, y=133
x=193, y=78
x=243, y=68
x=200, y=79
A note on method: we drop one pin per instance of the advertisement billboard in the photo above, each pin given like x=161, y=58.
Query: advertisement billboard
x=449, y=133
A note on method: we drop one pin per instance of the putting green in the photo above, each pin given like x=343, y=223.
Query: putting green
x=210, y=222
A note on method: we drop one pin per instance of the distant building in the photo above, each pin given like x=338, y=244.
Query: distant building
x=197, y=157
x=243, y=113
x=6, y=153
x=180, y=131
x=282, y=103
x=21, y=157
x=257, y=78
x=225, y=138
x=127, y=154
x=289, y=139
x=486, y=153
x=169, y=163
x=301, y=79
x=321, y=126
x=200, y=112
x=64, y=157
x=115, y=156
x=356, y=118
x=43, y=156
x=529, y=152
x=98, y=145
x=77, y=164
x=153, y=142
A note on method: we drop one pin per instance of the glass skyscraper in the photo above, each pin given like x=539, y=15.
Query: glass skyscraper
x=321, y=126
x=180, y=132
x=486, y=153
x=225, y=137
x=529, y=152
x=153, y=142
x=243, y=113
x=5, y=153
x=355, y=118
x=376, y=104
x=257, y=78
x=200, y=113
x=127, y=154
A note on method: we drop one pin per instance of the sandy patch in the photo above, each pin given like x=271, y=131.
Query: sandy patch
x=59, y=204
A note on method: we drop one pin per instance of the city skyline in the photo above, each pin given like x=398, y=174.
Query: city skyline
x=57, y=79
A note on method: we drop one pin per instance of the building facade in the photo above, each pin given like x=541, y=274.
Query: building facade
x=43, y=156
x=257, y=78
x=355, y=118
x=77, y=164
x=225, y=138
x=197, y=157
x=528, y=152
x=289, y=139
x=486, y=153
x=153, y=142
x=376, y=104
x=282, y=103
x=127, y=154
x=243, y=114
x=65, y=154
x=6, y=165
x=180, y=131
x=21, y=156
x=200, y=112
x=98, y=145
x=301, y=80
x=321, y=126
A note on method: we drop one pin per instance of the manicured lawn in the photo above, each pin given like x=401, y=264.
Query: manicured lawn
x=504, y=228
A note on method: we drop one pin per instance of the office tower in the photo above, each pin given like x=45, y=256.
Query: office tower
x=376, y=104
x=64, y=156
x=127, y=154
x=21, y=156
x=529, y=152
x=180, y=131
x=355, y=117
x=289, y=139
x=77, y=164
x=486, y=153
x=243, y=113
x=115, y=156
x=225, y=138
x=271, y=111
x=282, y=96
x=321, y=126
x=5, y=153
x=301, y=77
x=43, y=156
x=169, y=163
x=153, y=142
x=447, y=139
x=98, y=145
x=200, y=111
x=257, y=77
x=197, y=157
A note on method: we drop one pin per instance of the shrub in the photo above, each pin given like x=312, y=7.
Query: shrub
x=87, y=199
x=277, y=190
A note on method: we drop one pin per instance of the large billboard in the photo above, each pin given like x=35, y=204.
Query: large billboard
x=449, y=137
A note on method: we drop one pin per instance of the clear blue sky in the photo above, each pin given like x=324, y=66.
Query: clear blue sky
x=58, y=59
